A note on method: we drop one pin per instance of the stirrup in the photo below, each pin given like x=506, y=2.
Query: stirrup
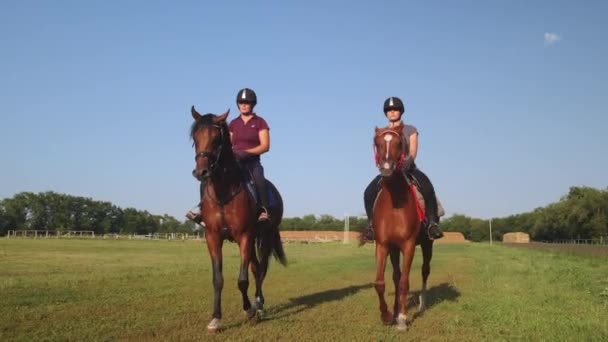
x=366, y=235
x=433, y=231
x=264, y=216
x=195, y=217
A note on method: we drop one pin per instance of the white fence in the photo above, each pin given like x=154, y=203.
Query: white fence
x=602, y=241
x=88, y=234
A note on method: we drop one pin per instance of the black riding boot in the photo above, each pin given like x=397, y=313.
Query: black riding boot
x=430, y=204
x=263, y=196
x=195, y=215
x=369, y=196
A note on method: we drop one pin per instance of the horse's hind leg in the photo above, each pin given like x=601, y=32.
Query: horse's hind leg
x=381, y=254
x=394, y=255
x=255, y=269
x=265, y=249
x=427, y=255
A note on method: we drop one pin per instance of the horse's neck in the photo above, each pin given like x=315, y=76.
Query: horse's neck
x=396, y=182
x=396, y=188
x=227, y=181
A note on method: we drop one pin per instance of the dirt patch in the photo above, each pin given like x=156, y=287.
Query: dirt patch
x=327, y=236
x=316, y=236
x=593, y=250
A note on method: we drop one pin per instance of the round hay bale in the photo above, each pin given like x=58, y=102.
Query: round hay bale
x=516, y=237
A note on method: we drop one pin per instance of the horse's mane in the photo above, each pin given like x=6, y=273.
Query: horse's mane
x=207, y=120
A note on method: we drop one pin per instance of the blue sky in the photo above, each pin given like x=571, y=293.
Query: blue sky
x=95, y=96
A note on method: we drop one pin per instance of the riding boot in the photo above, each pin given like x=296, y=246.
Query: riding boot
x=195, y=214
x=430, y=204
x=366, y=235
x=369, y=196
x=260, y=185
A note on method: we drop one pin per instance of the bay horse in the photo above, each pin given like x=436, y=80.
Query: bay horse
x=397, y=223
x=229, y=211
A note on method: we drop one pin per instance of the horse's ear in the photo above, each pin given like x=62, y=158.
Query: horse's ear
x=222, y=118
x=376, y=129
x=195, y=114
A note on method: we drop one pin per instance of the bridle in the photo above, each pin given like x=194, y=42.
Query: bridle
x=388, y=138
x=213, y=154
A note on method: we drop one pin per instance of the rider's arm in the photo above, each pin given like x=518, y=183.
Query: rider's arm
x=264, y=145
x=413, y=145
x=411, y=156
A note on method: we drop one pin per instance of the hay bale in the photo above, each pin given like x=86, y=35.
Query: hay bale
x=452, y=237
x=516, y=237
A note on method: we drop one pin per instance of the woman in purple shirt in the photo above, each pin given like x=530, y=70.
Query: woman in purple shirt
x=250, y=137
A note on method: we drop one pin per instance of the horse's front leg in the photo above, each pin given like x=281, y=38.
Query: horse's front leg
x=214, y=245
x=404, y=283
x=381, y=254
x=245, y=248
x=395, y=253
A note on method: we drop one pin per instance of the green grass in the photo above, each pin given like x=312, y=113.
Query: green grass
x=159, y=290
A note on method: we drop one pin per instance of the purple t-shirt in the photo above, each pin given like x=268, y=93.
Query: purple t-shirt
x=246, y=136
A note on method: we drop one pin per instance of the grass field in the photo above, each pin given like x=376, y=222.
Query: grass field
x=158, y=290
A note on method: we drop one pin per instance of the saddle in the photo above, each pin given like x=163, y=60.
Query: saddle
x=247, y=179
x=414, y=187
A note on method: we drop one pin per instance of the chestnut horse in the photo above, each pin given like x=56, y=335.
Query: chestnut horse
x=397, y=227
x=229, y=211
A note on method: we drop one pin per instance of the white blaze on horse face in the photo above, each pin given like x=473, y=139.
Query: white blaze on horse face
x=388, y=138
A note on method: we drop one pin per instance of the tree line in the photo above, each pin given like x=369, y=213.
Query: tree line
x=580, y=214
x=63, y=213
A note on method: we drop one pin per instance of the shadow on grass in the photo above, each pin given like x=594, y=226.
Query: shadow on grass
x=311, y=300
x=434, y=295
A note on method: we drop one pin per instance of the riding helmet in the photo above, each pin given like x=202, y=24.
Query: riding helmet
x=246, y=95
x=393, y=103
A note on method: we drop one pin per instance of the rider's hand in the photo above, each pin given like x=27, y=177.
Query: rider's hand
x=407, y=163
x=242, y=155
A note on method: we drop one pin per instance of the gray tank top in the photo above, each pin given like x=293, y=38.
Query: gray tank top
x=408, y=131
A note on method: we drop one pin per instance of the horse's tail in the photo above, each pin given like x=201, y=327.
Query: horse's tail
x=277, y=249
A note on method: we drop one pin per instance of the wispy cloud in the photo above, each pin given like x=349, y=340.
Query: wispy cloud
x=551, y=38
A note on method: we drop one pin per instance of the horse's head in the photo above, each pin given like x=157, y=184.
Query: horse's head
x=389, y=150
x=211, y=137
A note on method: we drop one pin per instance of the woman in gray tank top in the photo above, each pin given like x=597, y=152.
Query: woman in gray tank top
x=393, y=110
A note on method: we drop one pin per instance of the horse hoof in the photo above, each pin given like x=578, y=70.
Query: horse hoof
x=259, y=314
x=214, y=326
x=402, y=322
x=250, y=313
x=387, y=318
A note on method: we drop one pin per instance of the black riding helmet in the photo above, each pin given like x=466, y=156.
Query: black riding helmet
x=247, y=95
x=393, y=103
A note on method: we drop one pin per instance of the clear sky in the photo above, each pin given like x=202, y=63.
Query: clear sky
x=509, y=96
